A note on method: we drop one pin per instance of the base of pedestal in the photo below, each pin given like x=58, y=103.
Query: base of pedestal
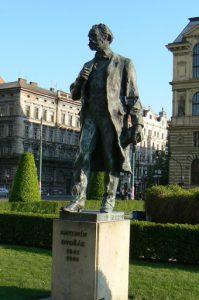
x=90, y=256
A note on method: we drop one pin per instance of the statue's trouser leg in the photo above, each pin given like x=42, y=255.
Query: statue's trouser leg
x=109, y=142
x=111, y=182
x=82, y=164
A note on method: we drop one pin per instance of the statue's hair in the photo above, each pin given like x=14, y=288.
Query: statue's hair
x=104, y=30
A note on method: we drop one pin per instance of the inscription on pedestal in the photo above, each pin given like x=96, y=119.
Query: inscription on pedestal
x=73, y=241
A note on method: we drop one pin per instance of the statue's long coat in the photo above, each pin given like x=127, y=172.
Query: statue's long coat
x=121, y=87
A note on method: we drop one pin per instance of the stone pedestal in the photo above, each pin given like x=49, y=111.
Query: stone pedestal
x=90, y=256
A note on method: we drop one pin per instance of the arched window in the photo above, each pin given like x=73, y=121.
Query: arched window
x=195, y=105
x=195, y=172
x=196, y=61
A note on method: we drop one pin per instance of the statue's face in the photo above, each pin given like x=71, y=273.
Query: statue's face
x=97, y=41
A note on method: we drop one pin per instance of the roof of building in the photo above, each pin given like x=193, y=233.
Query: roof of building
x=32, y=86
x=193, y=23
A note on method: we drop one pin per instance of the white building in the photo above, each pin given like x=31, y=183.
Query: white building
x=154, y=139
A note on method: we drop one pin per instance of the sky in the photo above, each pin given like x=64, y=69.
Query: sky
x=46, y=41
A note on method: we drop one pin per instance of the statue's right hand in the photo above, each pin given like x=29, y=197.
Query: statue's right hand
x=84, y=74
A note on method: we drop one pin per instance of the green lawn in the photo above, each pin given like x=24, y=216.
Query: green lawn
x=25, y=274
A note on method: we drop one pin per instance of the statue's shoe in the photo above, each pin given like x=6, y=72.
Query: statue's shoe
x=73, y=207
x=106, y=210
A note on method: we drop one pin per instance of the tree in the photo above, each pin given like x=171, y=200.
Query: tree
x=160, y=164
x=25, y=186
x=96, y=186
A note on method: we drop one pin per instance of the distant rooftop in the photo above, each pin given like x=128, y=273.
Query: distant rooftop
x=193, y=23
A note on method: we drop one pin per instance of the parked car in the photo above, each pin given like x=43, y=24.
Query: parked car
x=3, y=192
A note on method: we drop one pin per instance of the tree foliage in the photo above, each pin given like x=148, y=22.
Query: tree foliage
x=25, y=187
x=160, y=163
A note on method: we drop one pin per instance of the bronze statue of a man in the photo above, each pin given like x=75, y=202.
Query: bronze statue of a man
x=108, y=90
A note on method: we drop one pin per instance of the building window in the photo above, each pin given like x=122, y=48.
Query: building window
x=36, y=113
x=51, y=135
x=9, y=149
x=35, y=133
x=196, y=61
x=2, y=110
x=11, y=110
x=10, y=130
x=52, y=116
x=44, y=133
x=77, y=122
x=62, y=136
x=1, y=130
x=45, y=115
x=195, y=105
x=26, y=147
x=196, y=138
x=27, y=131
x=69, y=138
x=62, y=118
x=70, y=120
x=27, y=110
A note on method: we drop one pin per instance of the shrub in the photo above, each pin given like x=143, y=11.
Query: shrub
x=25, y=186
x=165, y=242
x=172, y=204
x=96, y=186
x=53, y=207
x=161, y=242
x=26, y=229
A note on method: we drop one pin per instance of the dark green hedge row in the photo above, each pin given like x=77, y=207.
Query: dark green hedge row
x=26, y=229
x=42, y=207
x=148, y=240
x=165, y=242
x=172, y=204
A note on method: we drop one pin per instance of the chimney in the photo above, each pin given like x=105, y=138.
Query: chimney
x=22, y=81
x=33, y=83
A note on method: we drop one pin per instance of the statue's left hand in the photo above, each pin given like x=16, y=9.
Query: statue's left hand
x=138, y=134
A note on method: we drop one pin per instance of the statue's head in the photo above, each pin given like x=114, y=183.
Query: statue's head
x=100, y=36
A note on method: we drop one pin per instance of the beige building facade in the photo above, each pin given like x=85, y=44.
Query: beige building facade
x=184, y=129
x=22, y=106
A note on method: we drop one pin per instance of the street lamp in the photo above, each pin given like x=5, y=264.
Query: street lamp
x=133, y=172
x=40, y=154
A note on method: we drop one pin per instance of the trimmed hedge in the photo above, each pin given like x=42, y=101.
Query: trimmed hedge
x=148, y=240
x=25, y=187
x=172, y=204
x=96, y=186
x=165, y=242
x=51, y=207
x=43, y=207
x=26, y=229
